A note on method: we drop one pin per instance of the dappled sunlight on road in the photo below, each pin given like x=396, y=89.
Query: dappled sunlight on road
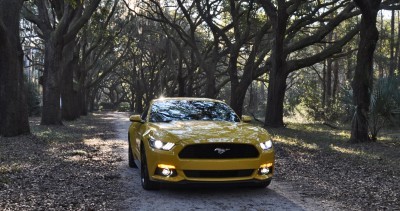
x=295, y=142
x=350, y=151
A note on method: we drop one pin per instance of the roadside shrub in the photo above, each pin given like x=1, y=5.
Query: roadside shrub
x=33, y=98
x=106, y=106
x=123, y=107
x=385, y=104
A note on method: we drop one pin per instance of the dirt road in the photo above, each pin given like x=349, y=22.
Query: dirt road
x=278, y=196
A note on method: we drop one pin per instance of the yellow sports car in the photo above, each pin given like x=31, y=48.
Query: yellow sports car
x=180, y=140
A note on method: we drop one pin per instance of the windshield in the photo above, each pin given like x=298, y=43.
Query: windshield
x=183, y=110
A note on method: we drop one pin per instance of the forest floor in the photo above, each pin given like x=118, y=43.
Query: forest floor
x=78, y=167
x=322, y=163
x=70, y=167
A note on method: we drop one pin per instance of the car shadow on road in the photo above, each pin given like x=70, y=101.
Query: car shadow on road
x=202, y=196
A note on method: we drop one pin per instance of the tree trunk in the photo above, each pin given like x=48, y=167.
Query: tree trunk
x=328, y=84
x=210, y=69
x=238, y=94
x=362, y=81
x=392, y=64
x=92, y=98
x=349, y=65
x=181, y=79
x=68, y=96
x=190, y=84
x=51, y=114
x=83, y=91
x=13, y=105
x=278, y=73
x=191, y=70
x=239, y=87
x=132, y=100
x=57, y=33
x=237, y=99
x=275, y=99
x=381, y=65
x=397, y=54
x=323, y=84
x=83, y=102
x=335, y=87
x=139, y=97
x=70, y=101
x=91, y=104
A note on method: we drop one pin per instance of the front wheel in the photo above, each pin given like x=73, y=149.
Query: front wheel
x=147, y=184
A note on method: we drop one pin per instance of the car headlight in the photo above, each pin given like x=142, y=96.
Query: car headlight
x=157, y=144
x=266, y=145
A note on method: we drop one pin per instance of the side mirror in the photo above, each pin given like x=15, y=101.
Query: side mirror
x=135, y=118
x=246, y=118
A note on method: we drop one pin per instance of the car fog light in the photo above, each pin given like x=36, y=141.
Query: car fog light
x=166, y=172
x=264, y=170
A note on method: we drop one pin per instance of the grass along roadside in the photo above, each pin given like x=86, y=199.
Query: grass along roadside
x=321, y=163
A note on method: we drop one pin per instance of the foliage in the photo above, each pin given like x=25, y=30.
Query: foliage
x=311, y=99
x=74, y=3
x=104, y=106
x=134, y=51
x=33, y=98
x=302, y=97
x=124, y=107
x=346, y=102
x=385, y=101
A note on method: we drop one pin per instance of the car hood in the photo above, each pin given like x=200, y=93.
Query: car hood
x=208, y=131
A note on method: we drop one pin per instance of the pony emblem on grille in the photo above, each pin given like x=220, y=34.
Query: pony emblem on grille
x=221, y=151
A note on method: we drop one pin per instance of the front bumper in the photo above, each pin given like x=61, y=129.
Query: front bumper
x=156, y=157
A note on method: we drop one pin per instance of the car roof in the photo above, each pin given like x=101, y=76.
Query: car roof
x=186, y=98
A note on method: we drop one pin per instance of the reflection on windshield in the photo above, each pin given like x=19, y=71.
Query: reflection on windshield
x=183, y=110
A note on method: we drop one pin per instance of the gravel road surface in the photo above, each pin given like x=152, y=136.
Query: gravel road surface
x=278, y=196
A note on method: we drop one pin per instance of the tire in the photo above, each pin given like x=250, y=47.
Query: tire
x=147, y=184
x=263, y=184
x=131, y=159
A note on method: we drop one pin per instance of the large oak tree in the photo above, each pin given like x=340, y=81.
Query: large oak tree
x=298, y=25
x=59, y=23
x=13, y=107
x=363, y=77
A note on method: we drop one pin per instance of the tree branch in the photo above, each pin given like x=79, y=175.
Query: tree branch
x=78, y=24
x=331, y=50
x=321, y=33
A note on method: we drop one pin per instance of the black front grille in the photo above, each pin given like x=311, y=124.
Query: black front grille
x=218, y=174
x=218, y=151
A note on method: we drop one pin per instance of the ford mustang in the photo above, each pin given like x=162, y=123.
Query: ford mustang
x=195, y=140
